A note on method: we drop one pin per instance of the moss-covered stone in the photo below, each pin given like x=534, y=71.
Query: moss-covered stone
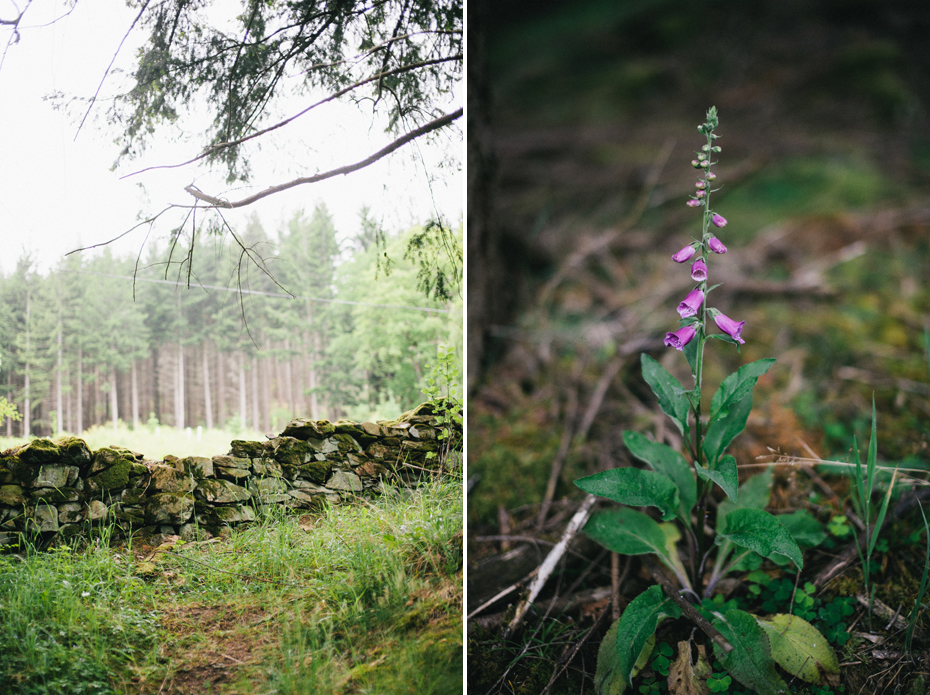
x=74, y=452
x=347, y=443
x=197, y=466
x=221, y=492
x=169, y=508
x=44, y=518
x=266, y=468
x=70, y=513
x=343, y=480
x=315, y=471
x=218, y=516
x=11, y=495
x=246, y=450
x=38, y=452
x=422, y=432
x=169, y=479
x=56, y=495
x=232, y=462
x=112, y=478
x=304, y=499
x=53, y=475
x=6, y=475
x=134, y=496
x=104, y=458
x=289, y=451
x=302, y=428
x=72, y=530
x=267, y=486
x=134, y=516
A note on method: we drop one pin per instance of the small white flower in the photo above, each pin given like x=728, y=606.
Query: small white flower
x=85, y=594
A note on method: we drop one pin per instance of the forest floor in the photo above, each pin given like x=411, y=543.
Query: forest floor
x=366, y=597
x=827, y=191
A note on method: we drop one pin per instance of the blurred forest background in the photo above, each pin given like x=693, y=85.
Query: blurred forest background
x=582, y=126
x=312, y=323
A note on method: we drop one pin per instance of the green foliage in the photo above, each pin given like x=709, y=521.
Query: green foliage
x=443, y=389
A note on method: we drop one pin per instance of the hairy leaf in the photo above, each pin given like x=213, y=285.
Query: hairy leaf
x=725, y=476
x=804, y=528
x=724, y=430
x=634, y=487
x=626, y=531
x=750, y=662
x=667, y=389
x=799, y=648
x=665, y=460
x=638, y=623
x=753, y=494
x=737, y=386
x=759, y=531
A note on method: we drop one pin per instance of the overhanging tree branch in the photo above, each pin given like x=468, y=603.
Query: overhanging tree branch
x=348, y=169
x=335, y=95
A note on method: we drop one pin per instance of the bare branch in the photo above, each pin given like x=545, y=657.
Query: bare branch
x=215, y=202
x=335, y=95
x=110, y=67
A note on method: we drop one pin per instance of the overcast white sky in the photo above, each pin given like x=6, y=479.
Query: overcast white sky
x=58, y=193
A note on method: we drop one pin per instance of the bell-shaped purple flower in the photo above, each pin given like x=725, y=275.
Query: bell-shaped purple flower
x=679, y=338
x=683, y=255
x=716, y=245
x=730, y=327
x=699, y=271
x=719, y=220
x=692, y=303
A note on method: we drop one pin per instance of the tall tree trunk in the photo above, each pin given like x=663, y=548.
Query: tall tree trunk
x=242, y=404
x=60, y=399
x=97, y=408
x=114, y=399
x=27, y=409
x=135, y=397
x=207, y=405
x=255, y=399
x=156, y=385
x=267, y=373
x=314, y=380
x=69, y=421
x=179, y=390
x=80, y=392
x=220, y=390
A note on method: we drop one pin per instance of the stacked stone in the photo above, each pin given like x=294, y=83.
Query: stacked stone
x=52, y=490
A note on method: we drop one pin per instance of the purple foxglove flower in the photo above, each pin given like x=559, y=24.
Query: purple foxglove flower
x=716, y=245
x=719, y=220
x=679, y=338
x=684, y=254
x=730, y=327
x=693, y=203
x=699, y=271
x=692, y=303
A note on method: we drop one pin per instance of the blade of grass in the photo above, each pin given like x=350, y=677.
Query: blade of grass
x=923, y=588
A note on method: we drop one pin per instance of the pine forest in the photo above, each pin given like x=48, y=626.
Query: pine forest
x=236, y=329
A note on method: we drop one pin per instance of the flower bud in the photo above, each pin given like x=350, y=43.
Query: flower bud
x=696, y=164
x=716, y=149
x=680, y=338
x=719, y=220
x=694, y=203
x=711, y=176
x=691, y=304
x=700, y=184
x=705, y=164
x=701, y=194
x=701, y=156
x=706, y=148
x=699, y=271
x=683, y=255
x=730, y=327
x=716, y=245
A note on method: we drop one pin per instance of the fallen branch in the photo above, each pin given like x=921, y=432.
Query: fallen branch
x=552, y=559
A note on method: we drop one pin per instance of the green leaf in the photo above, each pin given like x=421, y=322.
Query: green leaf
x=804, y=528
x=637, y=624
x=759, y=531
x=664, y=386
x=753, y=494
x=725, y=476
x=737, y=386
x=626, y=531
x=750, y=662
x=799, y=648
x=665, y=460
x=608, y=679
x=634, y=487
x=724, y=430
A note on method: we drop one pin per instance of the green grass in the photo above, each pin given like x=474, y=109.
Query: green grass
x=365, y=597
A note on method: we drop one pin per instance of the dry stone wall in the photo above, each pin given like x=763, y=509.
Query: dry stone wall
x=56, y=489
